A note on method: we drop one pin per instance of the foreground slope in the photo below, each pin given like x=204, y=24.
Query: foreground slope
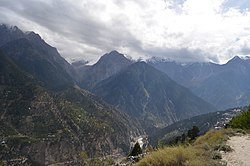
x=150, y=95
x=240, y=153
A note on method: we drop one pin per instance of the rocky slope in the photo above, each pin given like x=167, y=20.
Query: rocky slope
x=42, y=124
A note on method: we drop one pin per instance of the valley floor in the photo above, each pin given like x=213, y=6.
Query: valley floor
x=240, y=154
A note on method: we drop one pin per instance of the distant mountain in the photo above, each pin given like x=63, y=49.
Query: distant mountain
x=224, y=86
x=36, y=57
x=108, y=65
x=150, y=95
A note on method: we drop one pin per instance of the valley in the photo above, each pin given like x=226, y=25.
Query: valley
x=53, y=112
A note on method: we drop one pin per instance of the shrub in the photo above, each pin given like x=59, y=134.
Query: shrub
x=241, y=121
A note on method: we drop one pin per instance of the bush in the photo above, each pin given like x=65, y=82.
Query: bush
x=242, y=121
x=193, y=133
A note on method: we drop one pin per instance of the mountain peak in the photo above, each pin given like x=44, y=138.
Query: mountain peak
x=33, y=35
x=108, y=65
x=235, y=60
x=9, y=33
x=113, y=57
x=113, y=54
x=9, y=27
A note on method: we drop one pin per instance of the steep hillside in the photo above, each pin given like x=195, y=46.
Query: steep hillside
x=108, y=65
x=42, y=127
x=150, y=95
x=224, y=86
x=36, y=57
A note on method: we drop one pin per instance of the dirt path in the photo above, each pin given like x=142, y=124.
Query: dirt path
x=240, y=156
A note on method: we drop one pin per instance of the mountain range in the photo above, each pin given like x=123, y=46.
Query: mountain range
x=55, y=112
x=150, y=95
x=224, y=86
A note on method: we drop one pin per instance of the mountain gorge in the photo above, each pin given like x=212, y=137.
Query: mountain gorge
x=54, y=112
x=150, y=95
x=224, y=86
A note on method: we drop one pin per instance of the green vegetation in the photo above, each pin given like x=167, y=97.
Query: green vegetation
x=178, y=155
x=203, y=151
x=193, y=133
x=242, y=121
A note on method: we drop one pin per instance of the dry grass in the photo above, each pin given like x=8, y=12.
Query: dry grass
x=203, y=152
x=174, y=156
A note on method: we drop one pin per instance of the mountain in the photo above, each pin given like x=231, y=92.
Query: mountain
x=36, y=57
x=48, y=127
x=150, y=95
x=108, y=65
x=9, y=33
x=224, y=86
x=45, y=118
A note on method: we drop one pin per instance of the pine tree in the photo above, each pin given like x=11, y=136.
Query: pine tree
x=193, y=133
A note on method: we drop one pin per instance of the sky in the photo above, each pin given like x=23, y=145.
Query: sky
x=181, y=30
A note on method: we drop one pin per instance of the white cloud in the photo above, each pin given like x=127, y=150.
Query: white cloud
x=212, y=30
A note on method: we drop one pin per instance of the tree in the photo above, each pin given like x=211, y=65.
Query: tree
x=136, y=150
x=241, y=121
x=193, y=133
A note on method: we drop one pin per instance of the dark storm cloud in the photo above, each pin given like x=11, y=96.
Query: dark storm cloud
x=88, y=29
x=75, y=23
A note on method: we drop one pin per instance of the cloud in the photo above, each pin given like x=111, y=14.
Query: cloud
x=185, y=30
